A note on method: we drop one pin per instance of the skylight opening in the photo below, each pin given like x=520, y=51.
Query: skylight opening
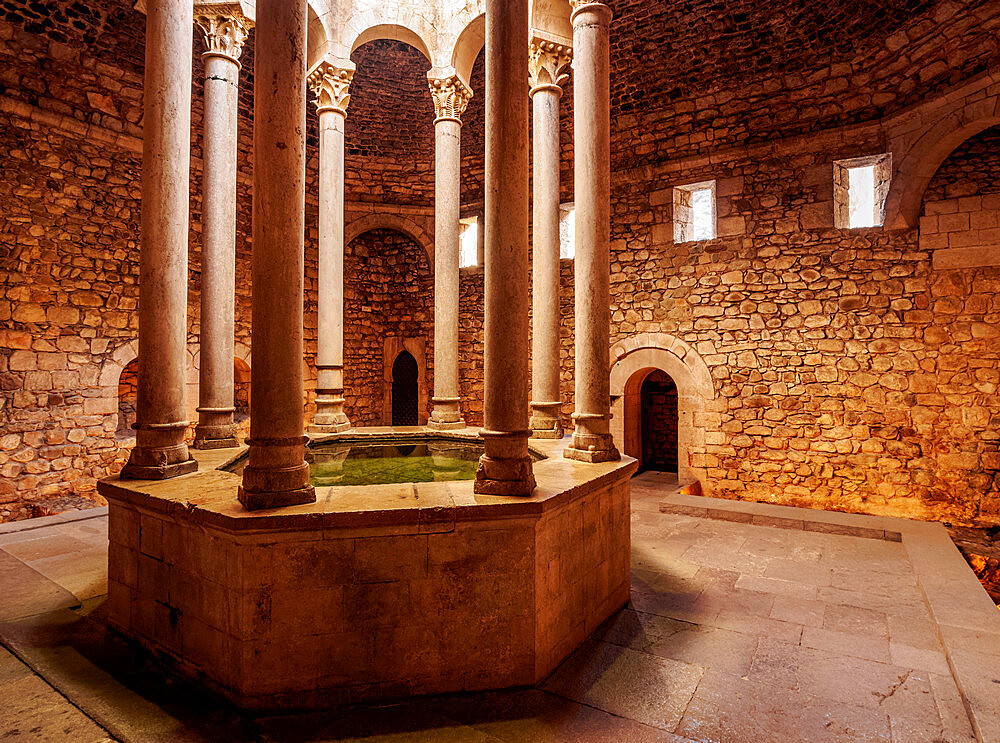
x=860, y=188
x=567, y=232
x=468, y=251
x=695, y=212
x=861, y=194
x=702, y=222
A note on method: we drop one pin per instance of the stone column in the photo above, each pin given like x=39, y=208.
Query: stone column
x=330, y=85
x=160, y=451
x=450, y=96
x=545, y=65
x=277, y=473
x=505, y=468
x=225, y=29
x=592, y=441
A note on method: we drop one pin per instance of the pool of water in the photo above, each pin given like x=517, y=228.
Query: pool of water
x=380, y=462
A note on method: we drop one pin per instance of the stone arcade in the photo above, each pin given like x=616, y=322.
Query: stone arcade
x=633, y=362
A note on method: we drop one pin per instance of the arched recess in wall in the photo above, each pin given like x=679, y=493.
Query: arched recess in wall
x=920, y=155
x=960, y=210
x=388, y=221
x=633, y=359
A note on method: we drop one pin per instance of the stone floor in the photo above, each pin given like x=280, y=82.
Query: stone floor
x=736, y=632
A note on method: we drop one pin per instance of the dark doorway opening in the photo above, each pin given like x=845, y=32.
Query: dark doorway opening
x=404, y=390
x=658, y=405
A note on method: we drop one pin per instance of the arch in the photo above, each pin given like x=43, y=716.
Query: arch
x=387, y=221
x=633, y=359
x=317, y=37
x=470, y=42
x=404, y=390
x=552, y=19
x=393, y=32
x=924, y=153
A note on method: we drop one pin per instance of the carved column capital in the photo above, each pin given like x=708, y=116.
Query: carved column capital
x=451, y=96
x=330, y=86
x=547, y=62
x=224, y=27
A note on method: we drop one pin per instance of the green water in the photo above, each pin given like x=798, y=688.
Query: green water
x=345, y=463
x=391, y=468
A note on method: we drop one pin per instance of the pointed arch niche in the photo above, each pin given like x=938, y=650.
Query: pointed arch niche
x=632, y=361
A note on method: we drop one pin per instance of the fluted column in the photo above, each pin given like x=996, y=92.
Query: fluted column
x=450, y=96
x=160, y=451
x=330, y=85
x=546, y=63
x=592, y=441
x=505, y=468
x=277, y=473
x=224, y=28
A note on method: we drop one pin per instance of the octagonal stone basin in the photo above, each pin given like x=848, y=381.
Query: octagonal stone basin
x=373, y=592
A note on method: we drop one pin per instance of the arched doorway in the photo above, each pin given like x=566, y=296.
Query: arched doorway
x=404, y=390
x=637, y=357
x=658, y=422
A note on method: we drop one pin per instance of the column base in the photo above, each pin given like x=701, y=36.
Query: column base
x=159, y=453
x=329, y=428
x=592, y=447
x=258, y=500
x=546, y=423
x=446, y=415
x=157, y=472
x=216, y=437
x=330, y=416
x=505, y=468
x=445, y=425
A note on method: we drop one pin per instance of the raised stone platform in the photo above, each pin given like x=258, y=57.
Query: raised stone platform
x=372, y=592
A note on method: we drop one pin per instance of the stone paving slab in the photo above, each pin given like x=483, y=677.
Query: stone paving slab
x=921, y=596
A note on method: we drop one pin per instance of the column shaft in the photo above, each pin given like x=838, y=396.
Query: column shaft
x=592, y=441
x=216, y=429
x=546, y=420
x=160, y=451
x=505, y=468
x=447, y=194
x=276, y=473
x=330, y=416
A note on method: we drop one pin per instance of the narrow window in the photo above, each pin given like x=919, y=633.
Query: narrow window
x=694, y=212
x=567, y=232
x=468, y=252
x=860, y=187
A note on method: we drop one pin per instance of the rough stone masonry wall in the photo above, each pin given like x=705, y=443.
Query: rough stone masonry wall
x=390, y=294
x=847, y=373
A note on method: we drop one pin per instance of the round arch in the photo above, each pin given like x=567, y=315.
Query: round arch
x=366, y=28
x=387, y=221
x=317, y=36
x=928, y=151
x=470, y=42
x=633, y=359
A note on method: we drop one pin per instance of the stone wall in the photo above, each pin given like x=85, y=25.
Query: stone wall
x=389, y=292
x=848, y=372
